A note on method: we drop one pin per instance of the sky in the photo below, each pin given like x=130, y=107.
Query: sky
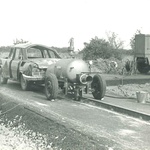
x=54, y=22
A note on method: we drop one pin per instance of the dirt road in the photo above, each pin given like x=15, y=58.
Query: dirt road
x=108, y=130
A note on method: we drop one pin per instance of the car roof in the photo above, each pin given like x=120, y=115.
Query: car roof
x=29, y=45
x=38, y=46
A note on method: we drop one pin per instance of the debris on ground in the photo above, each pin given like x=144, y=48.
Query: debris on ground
x=14, y=135
x=128, y=90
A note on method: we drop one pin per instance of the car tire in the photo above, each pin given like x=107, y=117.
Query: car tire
x=98, y=87
x=143, y=68
x=3, y=80
x=143, y=65
x=25, y=85
x=51, y=87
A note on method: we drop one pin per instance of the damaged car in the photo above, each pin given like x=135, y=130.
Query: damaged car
x=27, y=63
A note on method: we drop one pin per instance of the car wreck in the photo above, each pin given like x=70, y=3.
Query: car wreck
x=39, y=64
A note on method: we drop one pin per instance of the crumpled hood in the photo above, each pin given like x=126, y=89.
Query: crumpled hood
x=44, y=62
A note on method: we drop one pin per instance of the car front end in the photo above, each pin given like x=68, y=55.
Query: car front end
x=35, y=71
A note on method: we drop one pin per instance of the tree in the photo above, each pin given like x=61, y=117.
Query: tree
x=19, y=41
x=114, y=41
x=132, y=40
x=97, y=48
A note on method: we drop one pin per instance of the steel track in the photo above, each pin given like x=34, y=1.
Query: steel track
x=103, y=104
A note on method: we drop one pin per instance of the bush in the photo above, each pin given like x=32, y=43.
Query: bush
x=99, y=48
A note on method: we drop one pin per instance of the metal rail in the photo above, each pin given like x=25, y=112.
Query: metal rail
x=118, y=109
x=115, y=108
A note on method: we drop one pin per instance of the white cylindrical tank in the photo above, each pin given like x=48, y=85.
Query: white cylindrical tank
x=68, y=68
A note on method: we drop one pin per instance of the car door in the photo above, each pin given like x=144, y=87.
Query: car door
x=5, y=64
x=15, y=63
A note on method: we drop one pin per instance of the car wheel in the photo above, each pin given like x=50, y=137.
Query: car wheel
x=51, y=87
x=98, y=87
x=143, y=68
x=3, y=80
x=24, y=83
x=143, y=65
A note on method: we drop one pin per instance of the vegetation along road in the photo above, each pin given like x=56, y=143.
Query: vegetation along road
x=102, y=128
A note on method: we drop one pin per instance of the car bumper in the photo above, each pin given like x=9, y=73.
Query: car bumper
x=33, y=78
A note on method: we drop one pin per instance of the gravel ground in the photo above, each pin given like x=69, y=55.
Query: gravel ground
x=16, y=138
x=129, y=90
x=23, y=129
x=15, y=135
x=30, y=131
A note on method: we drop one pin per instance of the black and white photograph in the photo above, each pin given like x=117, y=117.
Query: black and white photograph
x=74, y=75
